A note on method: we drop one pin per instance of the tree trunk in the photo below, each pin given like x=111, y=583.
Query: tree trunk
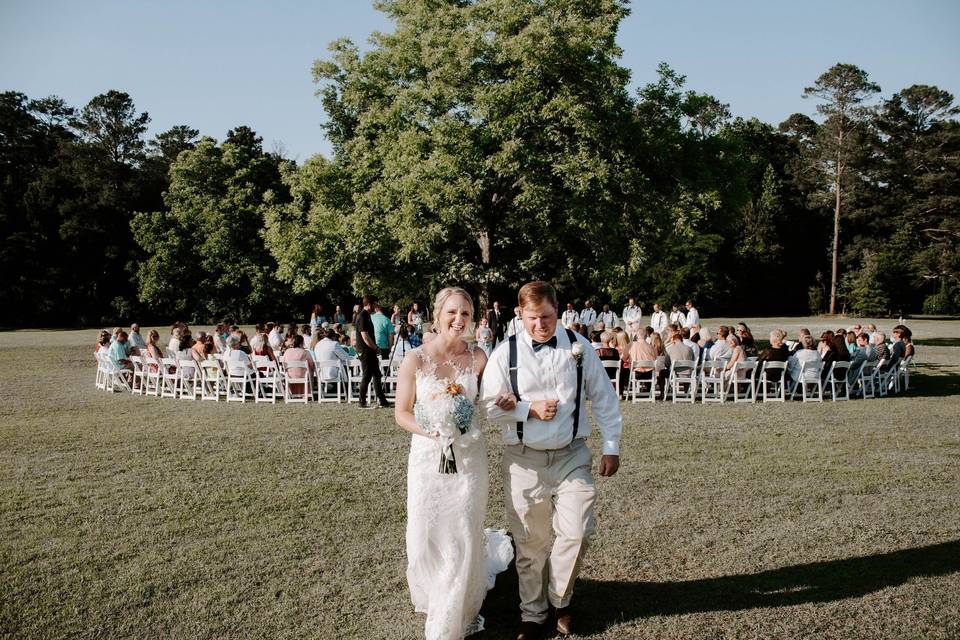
x=483, y=239
x=838, y=171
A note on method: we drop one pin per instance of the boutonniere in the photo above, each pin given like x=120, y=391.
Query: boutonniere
x=576, y=351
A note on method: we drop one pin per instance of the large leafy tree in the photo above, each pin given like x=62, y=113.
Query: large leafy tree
x=205, y=253
x=840, y=143
x=482, y=143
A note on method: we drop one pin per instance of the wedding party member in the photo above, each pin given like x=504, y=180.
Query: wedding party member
x=658, y=320
x=317, y=318
x=484, y=336
x=498, y=322
x=631, y=316
x=415, y=317
x=693, y=316
x=608, y=317
x=678, y=317
x=546, y=462
x=570, y=317
x=450, y=559
x=369, y=354
x=589, y=315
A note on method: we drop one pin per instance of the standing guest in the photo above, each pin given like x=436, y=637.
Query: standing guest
x=658, y=320
x=546, y=461
x=589, y=315
x=484, y=336
x=119, y=352
x=296, y=353
x=678, y=317
x=397, y=318
x=632, y=315
x=608, y=317
x=415, y=317
x=367, y=350
x=317, y=317
x=356, y=314
x=693, y=316
x=498, y=322
x=570, y=317
x=135, y=339
x=339, y=317
x=382, y=330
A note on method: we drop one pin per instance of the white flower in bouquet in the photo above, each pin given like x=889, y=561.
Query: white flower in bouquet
x=450, y=415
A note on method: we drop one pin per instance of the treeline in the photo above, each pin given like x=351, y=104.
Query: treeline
x=484, y=144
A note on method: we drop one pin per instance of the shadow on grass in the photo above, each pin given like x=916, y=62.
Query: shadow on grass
x=934, y=380
x=603, y=604
x=938, y=342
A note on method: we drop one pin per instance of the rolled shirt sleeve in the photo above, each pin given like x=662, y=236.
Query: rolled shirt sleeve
x=605, y=403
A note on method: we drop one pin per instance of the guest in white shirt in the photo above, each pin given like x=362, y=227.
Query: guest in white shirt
x=275, y=337
x=135, y=340
x=677, y=317
x=589, y=315
x=236, y=358
x=608, y=317
x=548, y=485
x=721, y=349
x=693, y=316
x=516, y=324
x=328, y=349
x=806, y=353
x=570, y=317
x=632, y=317
x=658, y=320
x=694, y=347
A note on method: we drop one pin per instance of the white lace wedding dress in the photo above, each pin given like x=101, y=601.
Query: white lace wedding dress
x=451, y=560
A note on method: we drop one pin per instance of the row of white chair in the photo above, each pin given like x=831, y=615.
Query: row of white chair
x=216, y=379
x=748, y=381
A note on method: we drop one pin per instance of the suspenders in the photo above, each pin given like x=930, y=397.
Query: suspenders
x=516, y=387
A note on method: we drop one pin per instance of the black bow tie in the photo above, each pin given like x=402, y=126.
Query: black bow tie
x=552, y=343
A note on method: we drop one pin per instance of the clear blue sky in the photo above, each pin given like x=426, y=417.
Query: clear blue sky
x=216, y=65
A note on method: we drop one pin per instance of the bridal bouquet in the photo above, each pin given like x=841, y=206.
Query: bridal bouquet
x=450, y=415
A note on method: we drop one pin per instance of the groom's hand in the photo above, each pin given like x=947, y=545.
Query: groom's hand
x=543, y=409
x=609, y=465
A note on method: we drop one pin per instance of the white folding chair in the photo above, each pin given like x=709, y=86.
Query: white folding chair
x=389, y=380
x=809, y=375
x=713, y=381
x=683, y=373
x=115, y=376
x=240, y=381
x=773, y=384
x=354, y=377
x=838, y=378
x=302, y=380
x=612, y=367
x=267, y=384
x=188, y=379
x=168, y=378
x=151, y=369
x=640, y=378
x=866, y=380
x=748, y=380
x=903, y=373
x=212, y=381
x=330, y=374
x=881, y=378
x=139, y=379
x=101, y=379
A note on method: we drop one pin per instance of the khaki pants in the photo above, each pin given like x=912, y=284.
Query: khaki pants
x=540, y=487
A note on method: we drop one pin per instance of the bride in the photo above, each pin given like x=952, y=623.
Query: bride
x=451, y=560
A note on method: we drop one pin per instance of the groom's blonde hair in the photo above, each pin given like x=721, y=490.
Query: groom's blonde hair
x=536, y=292
x=445, y=294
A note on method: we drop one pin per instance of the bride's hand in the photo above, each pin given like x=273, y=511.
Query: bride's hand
x=506, y=401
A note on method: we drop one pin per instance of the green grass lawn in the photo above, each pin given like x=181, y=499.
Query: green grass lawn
x=130, y=517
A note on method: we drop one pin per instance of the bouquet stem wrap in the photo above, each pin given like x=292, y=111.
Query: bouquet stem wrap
x=450, y=415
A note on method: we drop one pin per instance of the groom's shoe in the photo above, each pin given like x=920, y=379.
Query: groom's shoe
x=564, y=621
x=530, y=630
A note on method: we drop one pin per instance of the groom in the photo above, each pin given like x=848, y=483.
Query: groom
x=547, y=478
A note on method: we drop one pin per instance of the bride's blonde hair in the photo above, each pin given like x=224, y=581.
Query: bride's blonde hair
x=445, y=294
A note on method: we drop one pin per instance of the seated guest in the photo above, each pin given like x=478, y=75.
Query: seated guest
x=595, y=340
x=879, y=339
x=677, y=349
x=415, y=337
x=275, y=336
x=119, y=352
x=220, y=335
x=747, y=343
x=827, y=352
x=621, y=342
x=296, y=353
x=103, y=340
x=850, y=339
x=907, y=338
x=840, y=354
x=401, y=346
x=663, y=360
x=705, y=343
x=865, y=353
x=186, y=344
x=347, y=345
x=642, y=350
x=330, y=349
x=688, y=340
x=872, y=330
x=737, y=354
x=606, y=350
x=174, y=343
x=776, y=352
x=202, y=349
x=306, y=331
x=721, y=349
x=135, y=339
x=897, y=349
x=806, y=353
x=153, y=349
x=694, y=333
x=793, y=345
x=236, y=359
x=826, y=342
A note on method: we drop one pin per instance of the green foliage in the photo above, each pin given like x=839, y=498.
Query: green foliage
x=205, y=257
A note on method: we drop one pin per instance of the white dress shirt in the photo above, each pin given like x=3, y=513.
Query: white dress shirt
x=275, y=339
x=693, y=345
x=136, y=340
x=632, y=314
x=609, y=319
x=552, y=374
x=693, y=318
x=328, y=349
x=678, y=318
x=721, y=351
x=569, y=318
x=588, y=317
x=659, y=322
